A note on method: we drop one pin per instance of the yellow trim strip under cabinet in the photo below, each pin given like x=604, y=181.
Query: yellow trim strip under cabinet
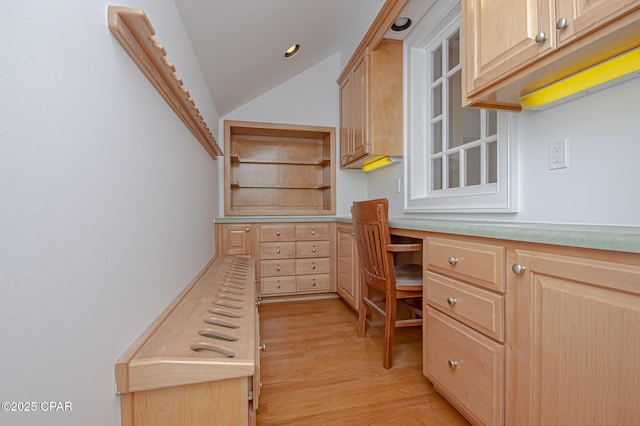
x=605, y=74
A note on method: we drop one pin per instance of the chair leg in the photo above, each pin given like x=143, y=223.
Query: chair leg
x=389, y=331
x=362, y=309
x=362, y=319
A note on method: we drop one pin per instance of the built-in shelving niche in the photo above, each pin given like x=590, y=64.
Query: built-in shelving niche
x=279, y=169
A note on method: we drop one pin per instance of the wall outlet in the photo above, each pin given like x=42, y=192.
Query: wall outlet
x=558, y=154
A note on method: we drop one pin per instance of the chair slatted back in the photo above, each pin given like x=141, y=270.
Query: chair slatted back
x=371, y=231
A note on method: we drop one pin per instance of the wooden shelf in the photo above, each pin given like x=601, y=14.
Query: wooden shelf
x=134, y=31
x=279, y=169
x=236, y=185
x=234, y=158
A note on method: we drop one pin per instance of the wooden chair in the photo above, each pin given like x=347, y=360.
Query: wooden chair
x=395, y=283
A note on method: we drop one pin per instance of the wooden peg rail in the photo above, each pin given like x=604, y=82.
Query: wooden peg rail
x=134, y=31
x=199, y=358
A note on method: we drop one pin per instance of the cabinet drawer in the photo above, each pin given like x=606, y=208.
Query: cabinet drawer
x=313, y=283
x=313, y=266
x=481, y=264
x=285, y=250
x=284, y=232
x=313, y=249
x=480, y=309
x=275, y=285
x=277, y=268
x=313, y=231
x=466, y=366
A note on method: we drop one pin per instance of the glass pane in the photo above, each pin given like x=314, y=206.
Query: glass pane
x=464, y=123
x=471, y=124
x=436, y=174
x=454, y=51
x=436, y=64
x=492, y=122
x=436, y=137
x=454, y=170
x=436, y=101
x=455, y=112
x=492, y=162
x=472, y=166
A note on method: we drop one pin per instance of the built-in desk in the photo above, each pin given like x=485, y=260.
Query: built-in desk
x=525, y=323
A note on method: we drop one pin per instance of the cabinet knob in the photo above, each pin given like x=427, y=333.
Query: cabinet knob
x=313, y=283
x=562, y=24
x=278, y=250
x=277, y=267
x=278, y=284
x=452, y=364
x=313, y=249
x=518, y=269
x=278, y=231
x=540, y=37
x=313, y=231
x=453, y=260
x=313, y=265
x=263, y=347
x=247, y=229
x=451, y=301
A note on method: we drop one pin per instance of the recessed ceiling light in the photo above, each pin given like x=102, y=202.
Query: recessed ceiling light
x=292, y=50
x=401, y=24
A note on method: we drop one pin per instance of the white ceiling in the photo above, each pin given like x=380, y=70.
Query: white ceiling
x=240, y=43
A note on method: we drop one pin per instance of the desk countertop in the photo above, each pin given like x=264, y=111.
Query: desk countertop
x=617, y=238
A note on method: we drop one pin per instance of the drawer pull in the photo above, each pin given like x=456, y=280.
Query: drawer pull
x=518, y=269
x=313, y=231
x=562, y=24
x=451, y=301
x=453, y=260
x=313, y=283
x=277, y=267
x=540, y=37
x=313, y=249
x=313, y=265
x=278, y=250
x=452, y=364
x=263, y=347
x=278, y=232
x=278, y=284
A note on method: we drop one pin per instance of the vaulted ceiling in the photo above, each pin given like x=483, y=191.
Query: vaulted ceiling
x=240, y=43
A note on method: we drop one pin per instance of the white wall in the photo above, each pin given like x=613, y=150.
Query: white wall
x=359, y=27
x=106, y=205
x=600, y=186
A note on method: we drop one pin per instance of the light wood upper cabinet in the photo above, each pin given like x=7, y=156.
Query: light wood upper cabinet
x=353, y=98
x=371, y=106
x=500, y=38
x=576, y=346
x=513, y=48
x=583, y=16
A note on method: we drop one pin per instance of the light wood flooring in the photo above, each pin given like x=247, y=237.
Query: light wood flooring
x=316, y=371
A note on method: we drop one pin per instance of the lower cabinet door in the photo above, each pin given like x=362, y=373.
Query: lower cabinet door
x=466, y=367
